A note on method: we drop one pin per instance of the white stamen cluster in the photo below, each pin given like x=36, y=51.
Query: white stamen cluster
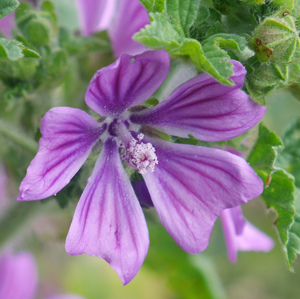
x=140, y=156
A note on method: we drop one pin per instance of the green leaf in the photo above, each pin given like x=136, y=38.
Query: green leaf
x=263, y=155
x=182, y=14
x=154, y=5
x=293, y=244
x=280, y=196
x=7, y=7
x=28, y=53
x=280, y=193
x=14, y=50
x=10, y=49
x=289, y=159
x=161, y=34
x=177, y=267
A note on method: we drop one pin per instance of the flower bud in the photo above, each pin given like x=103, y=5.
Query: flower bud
x=276, y=38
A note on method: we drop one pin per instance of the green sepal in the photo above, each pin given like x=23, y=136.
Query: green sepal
x=263, y=52
x=7, y=7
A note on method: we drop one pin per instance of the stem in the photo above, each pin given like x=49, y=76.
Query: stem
x=14, y=134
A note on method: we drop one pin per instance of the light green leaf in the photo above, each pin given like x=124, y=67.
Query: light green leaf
x=161, y=34
x=7, y=7
x=10, y=49
x=182, y=14
x=14, y=50
x=154, y=5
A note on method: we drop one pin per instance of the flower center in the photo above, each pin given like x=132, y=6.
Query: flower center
x=137, y=154
x=140, y=155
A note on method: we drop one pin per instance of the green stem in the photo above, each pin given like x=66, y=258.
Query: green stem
x=14, y=134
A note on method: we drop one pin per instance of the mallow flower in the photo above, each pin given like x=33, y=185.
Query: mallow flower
x=19, y=277
x=189, y=185
x=114, y=16
x=241, y=235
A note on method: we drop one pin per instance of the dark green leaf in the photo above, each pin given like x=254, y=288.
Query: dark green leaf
x=263, y=155
x=280, y=193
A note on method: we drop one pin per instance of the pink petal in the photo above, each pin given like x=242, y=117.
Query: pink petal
x=248, y=239
x=206, y=109
x=108, y=221
x=68, y=136
x=18, y=276
x=191, y=185
x=132, y=16
x=128, y=81
x=95, y=15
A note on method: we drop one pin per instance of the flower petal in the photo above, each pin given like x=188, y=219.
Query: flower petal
x=108, y=221
x=142, y=193
x=128, y=81
x=206, y=109
x=18, y=276
x=95, y=15
x=68, y=136
x=133, y=16
x=191, y=185
x=249, y=239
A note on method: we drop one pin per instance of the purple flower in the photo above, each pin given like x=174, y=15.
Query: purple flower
x=97, y=15
x=241, y=235
x=18, y=276
x=7, y=24
x=189, y=185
